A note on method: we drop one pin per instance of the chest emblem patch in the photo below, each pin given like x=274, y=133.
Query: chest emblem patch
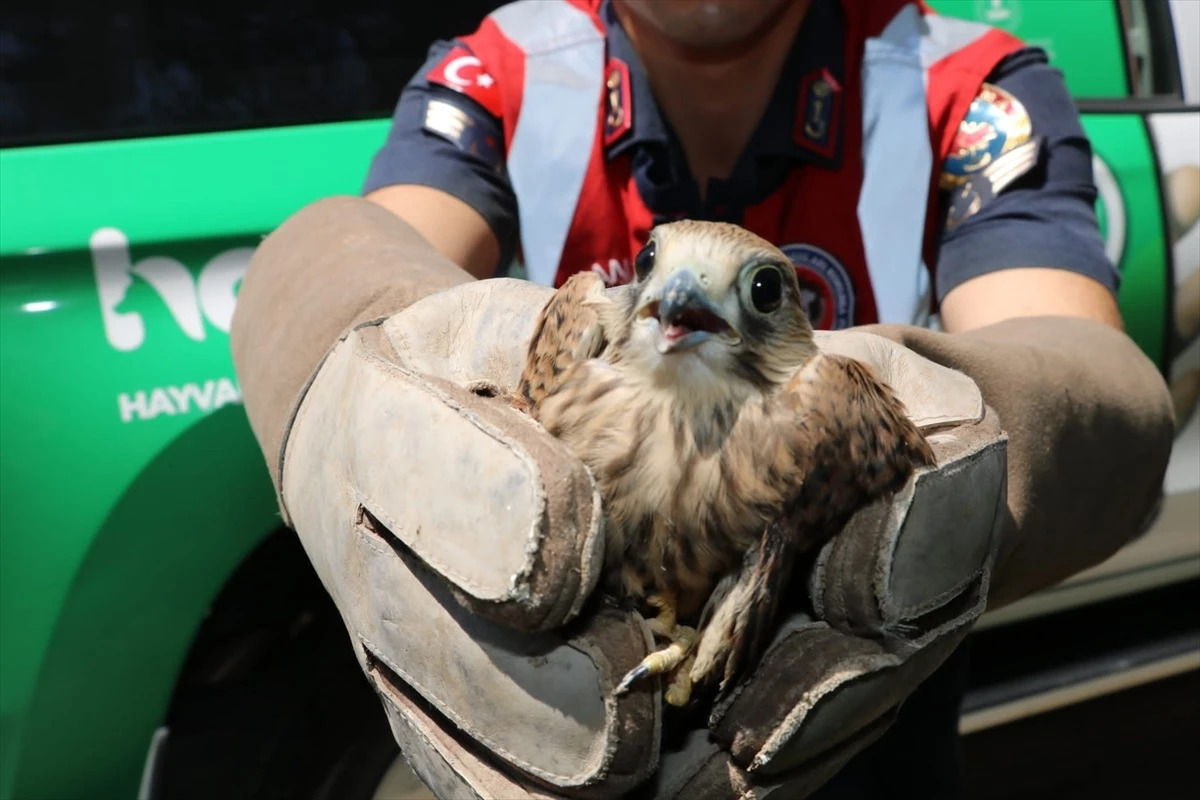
x=825, y=286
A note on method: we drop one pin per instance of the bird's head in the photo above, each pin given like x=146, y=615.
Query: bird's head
x=717, y=303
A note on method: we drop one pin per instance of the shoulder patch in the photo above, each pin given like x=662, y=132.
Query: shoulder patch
x=818, y=113
x=446, y=118
x=981, y=188
x=996, y=124
x=463, y=72
x=618, y=104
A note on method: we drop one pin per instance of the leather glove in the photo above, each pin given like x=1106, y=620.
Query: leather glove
x=461, y=543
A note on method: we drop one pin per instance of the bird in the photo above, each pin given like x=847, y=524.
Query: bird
x=725, y=444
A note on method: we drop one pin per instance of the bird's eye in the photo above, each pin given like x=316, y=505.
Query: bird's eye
x=765, y=287
x=643, y=262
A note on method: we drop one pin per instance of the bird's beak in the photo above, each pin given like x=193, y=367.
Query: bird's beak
x=686, y=315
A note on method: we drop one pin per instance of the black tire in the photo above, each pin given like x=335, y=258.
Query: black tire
x=271, y=702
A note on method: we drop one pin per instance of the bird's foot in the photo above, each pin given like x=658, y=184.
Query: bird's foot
x=679, y=683
x=664, y=627
x=664, y=661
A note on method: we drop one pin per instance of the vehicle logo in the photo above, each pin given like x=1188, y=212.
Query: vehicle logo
x=211, y=295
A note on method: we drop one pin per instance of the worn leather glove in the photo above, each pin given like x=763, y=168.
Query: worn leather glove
x=461, y=543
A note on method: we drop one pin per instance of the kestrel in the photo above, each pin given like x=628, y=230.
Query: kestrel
x=724, y=443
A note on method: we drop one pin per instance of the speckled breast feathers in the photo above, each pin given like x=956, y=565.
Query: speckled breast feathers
x=724, y=444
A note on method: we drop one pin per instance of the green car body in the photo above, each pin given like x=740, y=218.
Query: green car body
x=131, y=487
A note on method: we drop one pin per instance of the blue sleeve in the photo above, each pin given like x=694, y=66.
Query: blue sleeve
x=454, y=145
x=1047, y=217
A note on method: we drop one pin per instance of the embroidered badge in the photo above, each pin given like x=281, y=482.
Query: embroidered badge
x=446, y=119
x=825, y=287
x=461, y=71
x=982, y=187
x=816, y=126
x=618, y=105
x=995, y=124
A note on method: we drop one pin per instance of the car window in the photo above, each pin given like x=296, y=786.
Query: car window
x=1151, y=58
x=105, y=70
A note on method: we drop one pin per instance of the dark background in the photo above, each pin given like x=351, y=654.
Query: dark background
x=77, y=71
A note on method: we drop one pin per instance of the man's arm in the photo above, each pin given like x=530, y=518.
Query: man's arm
x=445, y=213
x=454, y=228
x=1034, y=248
x=1027, y=292
x=1027, y=300
x=442, y=167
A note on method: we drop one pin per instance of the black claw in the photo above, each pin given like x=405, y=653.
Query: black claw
x=633, y=676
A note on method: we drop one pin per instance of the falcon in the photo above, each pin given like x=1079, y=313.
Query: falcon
x=724, y=443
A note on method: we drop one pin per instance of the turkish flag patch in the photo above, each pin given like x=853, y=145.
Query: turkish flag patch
x=464, y=73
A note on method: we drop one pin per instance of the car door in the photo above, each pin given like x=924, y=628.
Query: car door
x=145, y=149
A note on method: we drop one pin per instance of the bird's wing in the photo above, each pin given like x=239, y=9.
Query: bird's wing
x=740, y=616
x=568, y=330
x=848, y=441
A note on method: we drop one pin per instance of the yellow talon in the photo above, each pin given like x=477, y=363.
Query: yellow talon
x=662, y=661
x=668, y=659
x=679, y=690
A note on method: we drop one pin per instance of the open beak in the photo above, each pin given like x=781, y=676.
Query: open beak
x=686, y=316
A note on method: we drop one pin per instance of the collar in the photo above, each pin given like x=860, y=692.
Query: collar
x=803, y=119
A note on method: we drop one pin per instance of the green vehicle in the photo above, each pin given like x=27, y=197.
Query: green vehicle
x=161, y=634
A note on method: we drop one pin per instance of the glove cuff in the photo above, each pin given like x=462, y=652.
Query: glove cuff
x=352, y=464
x=487, y=642
x=892, y=594
x=1090, y=426
x=329, y=267
x=900, y=564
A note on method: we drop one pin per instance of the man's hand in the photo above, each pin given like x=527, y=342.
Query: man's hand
x=437, y=516
x=461, y=542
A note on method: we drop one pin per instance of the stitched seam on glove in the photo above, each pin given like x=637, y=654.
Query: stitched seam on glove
x=289, y=423
x=852, y=670
x=902, y=618
x=729, y=699
x=944, y=619
x=518, y=589
x=606, y=678
x=591, y=552
x=615, y=750
x=889, y=610
x=384, y=687
x=368, y=504
x=580, y=779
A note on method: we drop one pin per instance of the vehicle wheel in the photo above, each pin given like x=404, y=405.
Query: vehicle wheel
x=271, y=702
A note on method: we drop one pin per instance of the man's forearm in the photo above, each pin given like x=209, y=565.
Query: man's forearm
x=1090, y=428
x=334, y=264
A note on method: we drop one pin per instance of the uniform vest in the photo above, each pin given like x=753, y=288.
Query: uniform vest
x=862, y=235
